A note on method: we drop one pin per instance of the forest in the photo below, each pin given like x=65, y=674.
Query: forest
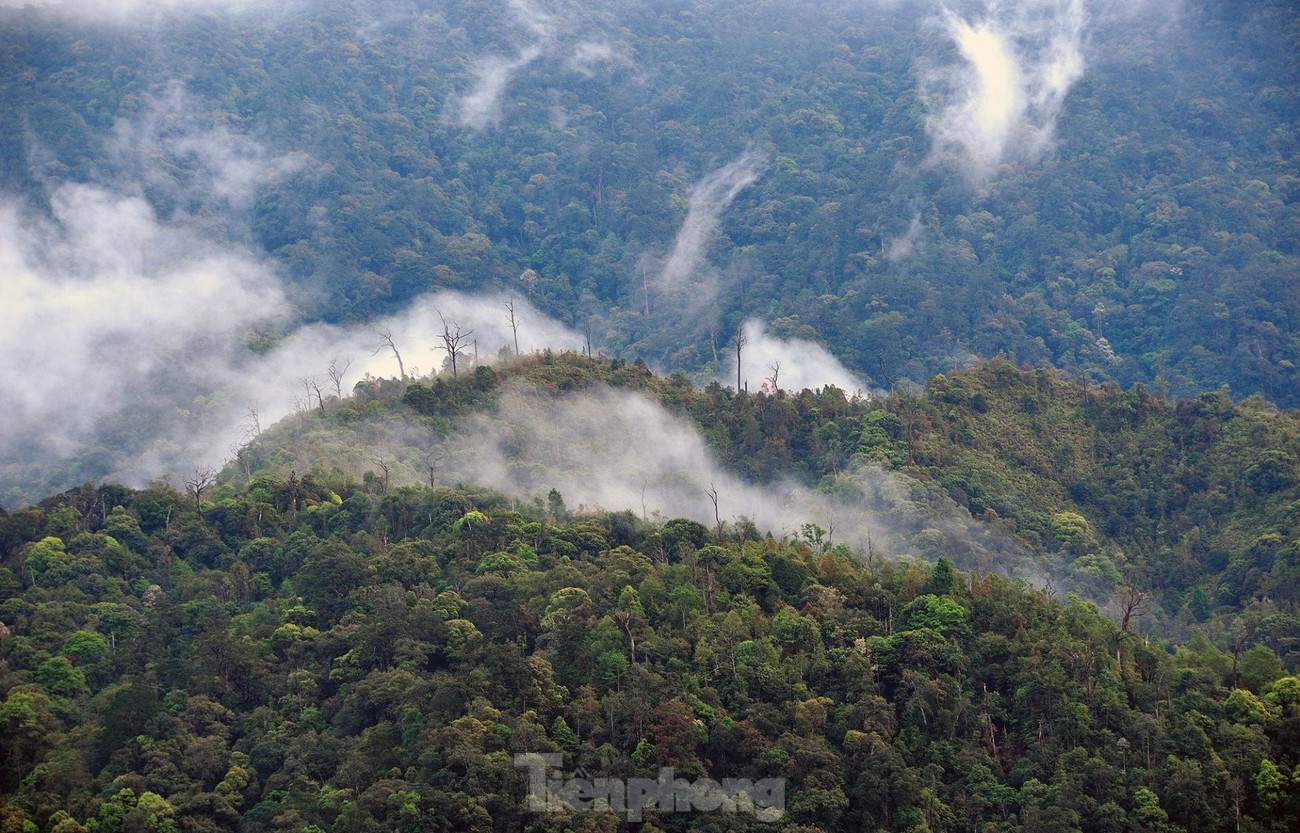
x=888, y=400
x=654, y=174
x=319, y=651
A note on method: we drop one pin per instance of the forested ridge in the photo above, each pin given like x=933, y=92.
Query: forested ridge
x=1039, y=570
x=1191, y=503
x=321, y=651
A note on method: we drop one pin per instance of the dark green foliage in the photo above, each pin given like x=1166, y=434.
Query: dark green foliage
x=1159, y=240
x=384, y=681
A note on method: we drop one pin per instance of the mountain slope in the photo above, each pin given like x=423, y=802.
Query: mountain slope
x=1141, y=224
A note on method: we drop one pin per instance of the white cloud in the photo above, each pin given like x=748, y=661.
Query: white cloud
x=587, y=56
x=707, y=200
x=480, y=108
x=901, y=247
x=1000, y=102
x=104, y=302
x=549, y=35
x=802, y=363
x=126, y=338
x=106, y=10
x=614, y=450
x=174, y=147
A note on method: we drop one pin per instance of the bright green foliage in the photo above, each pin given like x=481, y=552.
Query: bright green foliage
x=1156, y=242
x=1270, y=784
x=941, y=614
x=1072, y=530
x=1259, y=668
x=58, y=676
x=1148, y=812
x=409, y=641
x=85, y=647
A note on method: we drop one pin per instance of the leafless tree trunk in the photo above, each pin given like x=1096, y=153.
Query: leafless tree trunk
x=336, y=375
x=712, y=492
x=312, y=386
x=431, y=463
x=645, y=288
x=741, y=341
x=514, y=322
x=244, y=459
x=1132, y=606
x=775, y=367
x=454, y=340
x=387, y=341
x=197, y=482
x=384, y=468
x=884, y=374
x=301, y=407
x=252, y=422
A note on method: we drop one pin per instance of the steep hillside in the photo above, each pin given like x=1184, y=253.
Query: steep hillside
x=305, y=657
x=1119, y=199
x=1182, y=512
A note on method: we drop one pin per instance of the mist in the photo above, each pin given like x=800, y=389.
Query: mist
x=789, y=364
x=210, y=169
x=131, y=340
x=579, y=445
x=707, y=200
x=480, y=107
x=999, y=102
x=101, y=306
x=116, y=10
x=902, y=246
x=135, y=344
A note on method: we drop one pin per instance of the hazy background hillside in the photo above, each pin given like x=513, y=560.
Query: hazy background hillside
x=1107, y=187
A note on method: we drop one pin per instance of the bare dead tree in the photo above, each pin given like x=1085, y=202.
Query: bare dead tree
x=514, y=322
x=386, y=336
x=889, y=380
x=775, y=367
x=1132, y=606
x=645, y=287
x=384, y=467
x=336, y=375
x=712, y=492
x=252, y=422
x=311, y=385
x=431, y=463
x=741, y=341
x=454, y=340
x=199, y=480
x=301, y=409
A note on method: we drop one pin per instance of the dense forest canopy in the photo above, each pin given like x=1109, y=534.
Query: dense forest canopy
x=878, y=398
x=1110, y=188
x=309, y=654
